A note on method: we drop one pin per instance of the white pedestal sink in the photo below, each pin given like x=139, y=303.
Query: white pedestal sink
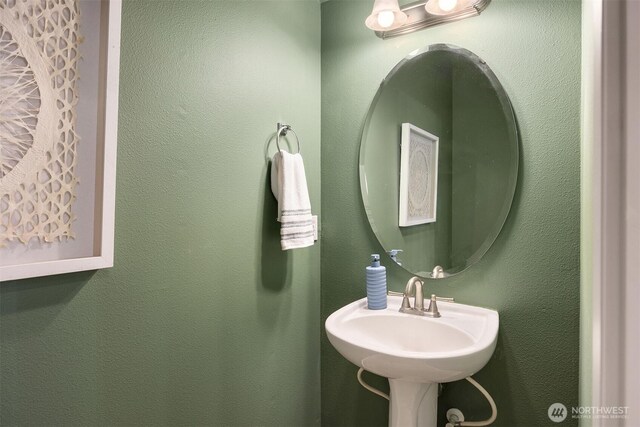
x=414, y=352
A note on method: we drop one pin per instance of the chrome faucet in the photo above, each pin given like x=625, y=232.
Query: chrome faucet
x=438, y=272
x=418, y=303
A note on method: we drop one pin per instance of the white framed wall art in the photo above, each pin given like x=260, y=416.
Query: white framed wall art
x=418, y=176
x=59, y=70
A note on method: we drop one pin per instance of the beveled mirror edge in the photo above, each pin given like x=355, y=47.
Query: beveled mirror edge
x=507, y=108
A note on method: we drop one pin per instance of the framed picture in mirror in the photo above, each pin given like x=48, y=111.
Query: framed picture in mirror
x=418, y=176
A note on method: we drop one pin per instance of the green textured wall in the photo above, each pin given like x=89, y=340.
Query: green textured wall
x=531, y=274
x=203, y=320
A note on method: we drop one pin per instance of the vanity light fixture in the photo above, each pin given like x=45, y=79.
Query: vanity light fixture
x=385, y=16
x=421, y=14
x=445, y=7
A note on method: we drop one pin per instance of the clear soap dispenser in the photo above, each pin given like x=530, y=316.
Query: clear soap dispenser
x=376, y=284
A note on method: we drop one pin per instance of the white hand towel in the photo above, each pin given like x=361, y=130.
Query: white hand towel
x=289, y=185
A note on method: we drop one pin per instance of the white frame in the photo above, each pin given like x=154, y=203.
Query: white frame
x=403, y=213
x=610, y=294
x=105, y=182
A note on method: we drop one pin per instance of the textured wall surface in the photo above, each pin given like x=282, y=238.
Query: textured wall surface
x=203, y=320
x=531, y=274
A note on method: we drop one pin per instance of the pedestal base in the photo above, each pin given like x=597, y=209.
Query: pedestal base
x=413, y=404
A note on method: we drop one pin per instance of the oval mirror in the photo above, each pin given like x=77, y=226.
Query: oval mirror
x=439, y=160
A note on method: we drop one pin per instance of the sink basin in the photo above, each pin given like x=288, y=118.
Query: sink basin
x=410, y=349
x=406, y=346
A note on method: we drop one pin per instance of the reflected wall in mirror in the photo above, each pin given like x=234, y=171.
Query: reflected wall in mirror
x=452, y=94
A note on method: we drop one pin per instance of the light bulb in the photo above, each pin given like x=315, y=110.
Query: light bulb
x=385, y=18
x=447, y=5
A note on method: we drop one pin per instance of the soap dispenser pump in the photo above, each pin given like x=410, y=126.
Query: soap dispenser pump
x=393, y=253
x=376, y=284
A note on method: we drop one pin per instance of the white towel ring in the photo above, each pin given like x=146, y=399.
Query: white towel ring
x=283, y=129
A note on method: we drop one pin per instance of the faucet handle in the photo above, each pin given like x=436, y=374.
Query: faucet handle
x=437, y=298
x=432, y=310
x=406, y=305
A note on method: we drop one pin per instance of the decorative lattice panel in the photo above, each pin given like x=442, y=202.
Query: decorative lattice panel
x=421, y=173
x=38, y=96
